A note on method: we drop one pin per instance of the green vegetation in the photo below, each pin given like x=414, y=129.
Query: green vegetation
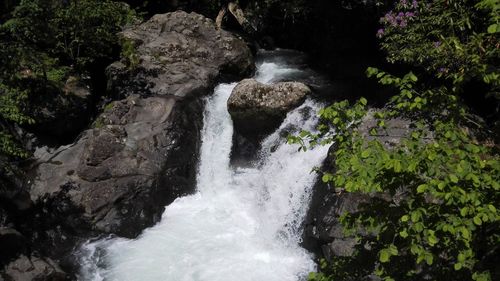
x=433, y=212
x=42, y=43
x=129, y=53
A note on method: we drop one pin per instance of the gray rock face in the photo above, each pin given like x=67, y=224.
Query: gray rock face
x=179, y=54
x=121, y=174
x=142, y=150
x=33, y=269
x=258, y=108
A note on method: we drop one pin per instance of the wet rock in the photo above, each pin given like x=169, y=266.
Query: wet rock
x=258, y=108
x=33, y=269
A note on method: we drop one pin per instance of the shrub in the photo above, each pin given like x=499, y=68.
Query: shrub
x=43, y=43
x=435, y=196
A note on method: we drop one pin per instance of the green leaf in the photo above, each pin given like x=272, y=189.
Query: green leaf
x=483, y=276
x=370, y=71
x=397, y=166
x=432, y=240
x=494, y=28
x=477, y=220
x=421, y=188
x=363, y=101
x=492, y=208
x=327, y=177
x=365, y=153
x=465, y=233
x=384, y=256
x=393, y=250
x=461, y=257
x=429, y=258
x=412, y=77
x=453, y=178
x=415, y=216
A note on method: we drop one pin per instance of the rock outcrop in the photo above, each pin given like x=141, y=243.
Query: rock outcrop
x=120, y=175
x=258, y=108
x=141, y=152
x=179, y=54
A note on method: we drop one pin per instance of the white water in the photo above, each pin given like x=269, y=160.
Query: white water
x=242, y=224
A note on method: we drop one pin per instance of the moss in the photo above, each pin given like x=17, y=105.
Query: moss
x=129, y=53
x=109, y=106
x=98, y=123
x=58, y=75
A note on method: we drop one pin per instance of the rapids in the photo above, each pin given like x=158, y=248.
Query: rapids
x=243, y=223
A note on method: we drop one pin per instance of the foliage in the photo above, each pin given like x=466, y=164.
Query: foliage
x=87, y=30
x=453, y=39
x=78, y=33
x=129, y=53
x=11, y=101
x=441, y=216
x=434, y=197
x=43, y=43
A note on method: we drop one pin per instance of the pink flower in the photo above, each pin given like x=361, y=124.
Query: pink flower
x=380, y=33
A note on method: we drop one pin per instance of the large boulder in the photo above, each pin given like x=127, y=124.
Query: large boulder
x=141, y=152
x=120, y=174
x=258, y=108
x=178, y=54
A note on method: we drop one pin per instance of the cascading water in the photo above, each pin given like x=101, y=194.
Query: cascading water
x=242, y=224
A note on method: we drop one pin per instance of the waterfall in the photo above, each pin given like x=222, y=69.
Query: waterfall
x=242, y=224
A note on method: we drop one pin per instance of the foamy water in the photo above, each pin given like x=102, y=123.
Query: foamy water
x=242, y=223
